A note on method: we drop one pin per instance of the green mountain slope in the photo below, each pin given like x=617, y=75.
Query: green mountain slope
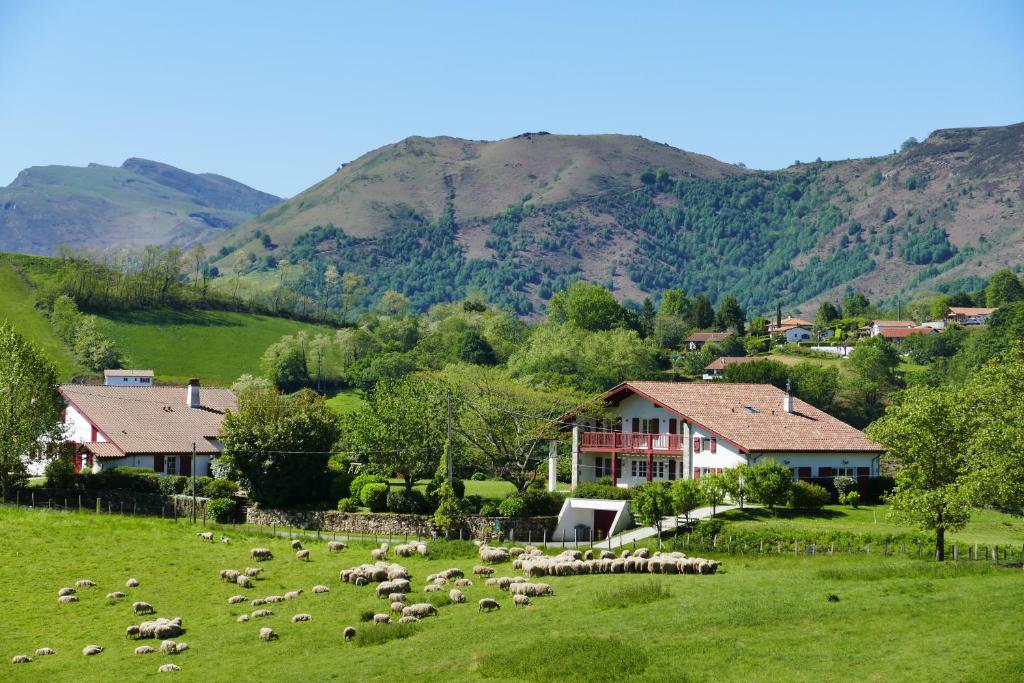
x=139, y=203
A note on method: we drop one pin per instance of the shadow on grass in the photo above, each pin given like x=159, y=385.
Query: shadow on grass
x=169, y=316
x=763, y=514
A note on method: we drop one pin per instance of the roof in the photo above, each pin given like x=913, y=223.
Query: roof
x=966, y=310
x=708, y=336
x=790, y=320
x=787, y=328
x=103, y=449
x=900, y=333
x=127, y=373
x=894, y=323
x=752, y=416
x=152, y=419
x=720, y=363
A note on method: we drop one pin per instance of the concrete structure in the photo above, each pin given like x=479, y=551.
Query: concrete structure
x=128, y=378
x=586, y=519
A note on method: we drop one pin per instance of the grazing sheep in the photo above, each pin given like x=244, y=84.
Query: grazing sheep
x=405, y=549
x=349, y=633
x=66, y=591
x=335, y=546
x=206, y=536
x=456, y=596
x=142, y=608
x=397, y=571
x=360, y=581
x=268, y=634
x=168, y=668
x=21, y=659
x=144, y=650
x=588, y=555
x=607, y=555
x=168, y=647
x=261, y=554
x=230, y=574
x=520, y=601
x=242, y=618
x=378, y=554
x=302, y=555
x=396, y=597
x=291, y=595
x=397, y=607
x=642, y=552
x=65, y=599
x=261, y=613
x=493, y=555
x=180, y=647
x=483, y=571
x=116, y=595
x=296, y=545
x=487, y=604
x=504, y=582
x=44, y=651
x=132, y=632
x=301, y=617
x=420, y=610
x=439, y=581
x=90, y=650
x=225, y=539
x=433, y=588
x=422, y=550
x=384, y=546
x=381, y=619
x=161, y=628
x=491, y=582
x=132, y=583
x=235, y=599
x=258, y=602
x=85, y=583
x=320, y=588
x=396, y=586
x=253, y=572
x=271, y=599
x=408, y=620
x=463, y=582
x=243, y=581
x=625, y=553
x=531, y=589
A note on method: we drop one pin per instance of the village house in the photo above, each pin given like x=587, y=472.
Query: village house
x=793, y=334
x=716, y=368
x=158, y=428
x=128, y=378
x=697, y=340
x=788, y=322
x=878, y=327
x=965, y=315
x=897, y=334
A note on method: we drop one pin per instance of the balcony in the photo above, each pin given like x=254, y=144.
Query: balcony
x=632, y=442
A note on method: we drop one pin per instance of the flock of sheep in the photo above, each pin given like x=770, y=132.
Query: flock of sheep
x=393, y=584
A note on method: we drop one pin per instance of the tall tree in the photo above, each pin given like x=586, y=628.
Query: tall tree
x=588, y=306
x=1003, y=287
x=686, y=497
x=730, y=316
x=827, y=312
x=703, y=313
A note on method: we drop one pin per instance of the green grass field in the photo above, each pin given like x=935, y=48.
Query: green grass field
x=346, y=402
x=769, y=617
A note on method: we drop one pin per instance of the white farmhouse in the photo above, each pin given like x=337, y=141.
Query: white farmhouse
x=128, y=425
x=128, y=378
x=793, y=333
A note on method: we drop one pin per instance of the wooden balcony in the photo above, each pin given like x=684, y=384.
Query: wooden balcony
x=632, y=442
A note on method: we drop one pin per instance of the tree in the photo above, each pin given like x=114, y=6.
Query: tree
x=909, y=143
x=352, y=287
x=64, y=317
x=30, y=407
x=647, y=315
x=651, y=502
x=280, y=445
x=446, y=516
x=827, y=312
x=924, y=430
x=284, y=362
x=587, y=306
x=675, y=304
x=939, y=306
x=402, y=428
x=730, y=316
x=735, y=483
x=703, y=314
x=686, y=497
x=855, y=304
x=712, y=487
x=1003, y=287
x=92, y=348
x=769, y=483
x=871, y=379
x=758, y=326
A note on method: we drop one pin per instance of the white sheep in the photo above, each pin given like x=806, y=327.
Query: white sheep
x=206, y=536
x=116, y=595
x=335, y=546
x=320, y=588
x=90, y=650
x=180, y=647
x=242, y=618
x=271, y=599
x=85, y=583
x=261, y=554
x=243, y=581
x=44, y=651
x=144, y=650
x=349, y=633
x=520, y=600
x=408, y=620
x=302, y=555
x=456, y=596
x=132, y=632
x=168, y=668
x=253, y=572
x=492, y=555
x=66, y=591
x=258, y=602
x=301, y=617
x=487, y=604
x=381, y=619
x=235, y=599
x=230, y=574
x=483, y=571
x=433, y=588
x=132, y=583
x=463, y=582
x=397, y=607
x=396, y=597
x=225, y=539
x=378, y=554
x=261, y=613
x=66, y=599
x=168, y=647
x=142, y=608
x=422, y=549
x=296, y=545
x=268, y=634
x=21, y=659
x=292, y=595
x=419, y=610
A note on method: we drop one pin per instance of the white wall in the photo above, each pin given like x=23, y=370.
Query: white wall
x=146, y=462
x=725, y=455
x=638, y=406
x=78, y=428
x=818, y=460
x=128, y=381
x=581, y=511
x=797, y=334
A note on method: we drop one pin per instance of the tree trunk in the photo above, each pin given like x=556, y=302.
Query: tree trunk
x=408, y=482
x=940, y=538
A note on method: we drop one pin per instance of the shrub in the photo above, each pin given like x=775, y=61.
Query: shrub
x=806, y=496
x=599, y=490
x=513, y=506
x=458, y=488
x=381, y=635
x=471, y=504
x=407, y=502
x=340, y=486
x=479, y=476
x=347, y=505
x=489, y=510
x=541, y=503
x=60, y=473
x=200, y=484
x=168, y=485
x=375, y=496
x=355, y=487
x=853, y=499
x=222, y=467
x=220, y=488
x=447, y=512
x=366, y=615
x=843, y=484
x=122, y=479
x=222, y=510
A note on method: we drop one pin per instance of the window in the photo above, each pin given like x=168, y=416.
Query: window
x=844, y=472
x=659, y=469
x=750, y=409
x=650, y=425
x=638, y=468
x=172, y=464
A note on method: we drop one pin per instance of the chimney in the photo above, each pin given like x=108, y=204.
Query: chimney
x=787, y=402
x=193, y=393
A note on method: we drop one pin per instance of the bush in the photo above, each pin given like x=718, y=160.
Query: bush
x=60, y=473
x=355, y=487
x=347, y=505
x=447, y=513
x=479, y=476
x=375, y=496
x=853, y=499
x=458, y=488
x=122, y=479
x=220, y=488
x=541, y=503
x=489, y=510
x=200, y=485
x=513, y=506
x=599, y=490
x=222, y=510
x=340, y=486
x=222, y=467
x=843, y=484
x=169, y=485
x=806, y=496
x=407, y=502
x=381, y=635
x=472, y=504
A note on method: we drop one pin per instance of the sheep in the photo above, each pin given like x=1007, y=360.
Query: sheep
x=85, y=583
x=335, y=546
x=397, y=607
x=641, y=552
x=422, y=550
x=397, y=571
x=296, y=544
x=66, y=591
x=396, y=586
x=531, y=589
x=268, y=634
x=463, y=583
x=487, y=604
x=259, y=602
x=589, y=554
x=408, y=620
x=252, y=572
x=439, y=581
x=161, y=628
x=433, y=588
x=67, y=599
x=168, y=668
x=144, y=650
x=206, y=536
x=520, y=600
x=21, y=659
x=360, y=581
x=381, y=619
x=90, y=650
x=142, y=608
x=419, y=610
x=168, y=647
x=229, y=574
x=456, y=596
x=272, y=599
x=292, y=595
x=242, y=618
x=492, y=555
x=131, y=583
x=396, y=597
x=132, y=632
x=349, y=633
x=261, y=613
x=116, y=595
x=301, y=617
x=243, y=581
x=453, y=573
x=302, y=555
x=180, y=647
x=261, y=554
x=235, y=599
x=378, y=554
x=320, y=588
x=405, y=549
x=44, y=651
x=504, y=582
x=491, y=582
x=225, y=540
x=607, y=555
x=483, y=571
x=384, y=546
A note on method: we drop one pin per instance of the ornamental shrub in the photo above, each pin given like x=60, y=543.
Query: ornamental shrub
x=458, y=488
x=513, y=506
x=200, y=485
x=222, y=510
x=60, y=473
x=541, y=503
x=355, y=487
x=168, y=485
x=220, y=488
x=347, y=505
x=853, y=499
x=843, y=484
x=407, y=502
x=489, y=510
x=807, y=496
x=375, y=496
x=446, y=516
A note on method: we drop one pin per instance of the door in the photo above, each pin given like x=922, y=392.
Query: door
x=603, y=520
x=186, y=466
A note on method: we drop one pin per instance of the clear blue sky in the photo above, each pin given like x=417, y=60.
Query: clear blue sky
x=277, y=95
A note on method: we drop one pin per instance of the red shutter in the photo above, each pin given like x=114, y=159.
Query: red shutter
x=672, y=425
x=824, y=471
x=696, y=473
x=803, y=472
x=696, y=444
x=158, y=463
x=671, y=469
x=185, y=468
x=714, y=445
x=636, y=425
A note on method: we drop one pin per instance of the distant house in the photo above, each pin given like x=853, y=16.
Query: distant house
x=716, y=368
x=878, y=326
x=128, y=378
x=898, y=334
x=153, y=428
x=966, y=315
x=697, y=340
x=789, y=322
x=793, y=333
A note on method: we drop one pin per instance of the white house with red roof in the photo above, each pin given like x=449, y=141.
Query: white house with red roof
x=151, y=427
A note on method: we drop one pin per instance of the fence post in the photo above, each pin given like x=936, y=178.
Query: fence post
x=33, y=494
x=98, y=505
x=79, y=502
x=956, y=552
x=122, y=507
x=795, y=548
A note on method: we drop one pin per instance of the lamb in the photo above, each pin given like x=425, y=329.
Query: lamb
x=132, y=583
x=335, y=546
x=433, y=588
x=520, y=600
x=349, y=633
x=268, y=634
x=242, y=618
x=408, y=620
x=261, y=554
x=206, y=536
x=463, y=582
x=142, y=608
x=253, y=572
x=487, y=604
x=261, y=613
x=296, y=545
x=66, y=591
x=90, y=650
x=230, y=574
x=378, y=554
x=21, y=659
x=180, y=647
x=132, y=632
x=483, y=571
x=381, y=619
x=85, y=583
x=144, y=650
x=66, y=599
x=420, y=610
x=168, y=647
x=44, y=651
x=243, y=581
x=116, y=595
x=320, y=588
x=301, y=617
x=397, y=607
x=168, y=668
x=456, y=596
x=235, y=599
x=302, y=555
x=225, y=540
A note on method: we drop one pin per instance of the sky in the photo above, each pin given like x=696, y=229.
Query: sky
x=278, y=95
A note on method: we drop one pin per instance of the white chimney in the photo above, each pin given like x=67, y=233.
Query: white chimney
x=787, y=402
x=193, y=393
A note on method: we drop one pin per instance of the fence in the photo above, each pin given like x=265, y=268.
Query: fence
x=129, y=503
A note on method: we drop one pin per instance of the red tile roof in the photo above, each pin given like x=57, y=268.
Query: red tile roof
x=796, y=322
x=965, y=310
x=708, y=336
x=894, y=323
x=103, y=449
x=902, y=332
x=720, y=363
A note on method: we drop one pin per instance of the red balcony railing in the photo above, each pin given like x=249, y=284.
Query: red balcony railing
x=632, y=442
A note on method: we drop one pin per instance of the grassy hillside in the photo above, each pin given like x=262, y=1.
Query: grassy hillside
x=759, y=618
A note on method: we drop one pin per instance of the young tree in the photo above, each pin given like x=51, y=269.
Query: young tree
x=712, y=486
x=769, y=483
x=827, y=312
x=30, y=407
x=587, y=306
x=735, y=483
x=651, y=503
x=686, y=497
x=924, y=428
x=284, y=362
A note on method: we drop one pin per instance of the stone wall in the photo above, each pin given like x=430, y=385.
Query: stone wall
x=113, y=502
x=394, y=525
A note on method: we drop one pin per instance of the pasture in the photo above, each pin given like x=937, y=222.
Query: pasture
x=761, y=617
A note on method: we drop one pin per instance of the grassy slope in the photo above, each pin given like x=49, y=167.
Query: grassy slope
x=345, y=402
x=17, y=307
x=761, y=618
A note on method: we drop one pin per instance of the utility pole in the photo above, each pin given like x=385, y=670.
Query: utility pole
x=448, y=447
x=193, y=482
x=319, y=358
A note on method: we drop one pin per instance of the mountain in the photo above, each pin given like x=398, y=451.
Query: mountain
x=139, y=203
